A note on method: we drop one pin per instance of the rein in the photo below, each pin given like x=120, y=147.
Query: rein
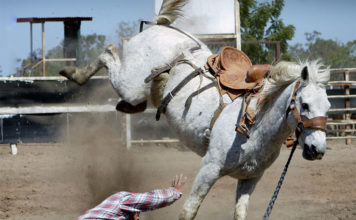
x=316, y=123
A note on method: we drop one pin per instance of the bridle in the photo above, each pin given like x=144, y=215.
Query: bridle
x=316, y=123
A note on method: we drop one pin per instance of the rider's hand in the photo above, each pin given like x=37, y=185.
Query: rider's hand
x=178, y=182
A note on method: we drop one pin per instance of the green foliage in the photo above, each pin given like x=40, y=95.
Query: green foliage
x=53, y=68
x=261, y=22
x=24, y=65
x=124, y=31
x=331, y=53
x=91, y=46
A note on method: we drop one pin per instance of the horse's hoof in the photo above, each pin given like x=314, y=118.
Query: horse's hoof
x=126, y=107
x=68, y=72
x=71, y=73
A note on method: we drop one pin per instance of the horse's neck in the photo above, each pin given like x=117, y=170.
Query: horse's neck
x=274, y=126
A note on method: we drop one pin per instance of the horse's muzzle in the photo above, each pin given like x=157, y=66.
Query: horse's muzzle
x=311, y=153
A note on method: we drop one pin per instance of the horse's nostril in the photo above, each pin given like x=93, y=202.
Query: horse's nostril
x=317, y=154
x=313, y=148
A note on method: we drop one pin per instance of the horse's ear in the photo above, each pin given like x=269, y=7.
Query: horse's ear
x=305, y=73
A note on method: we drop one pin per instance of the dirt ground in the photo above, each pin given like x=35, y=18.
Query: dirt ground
x=61, y=181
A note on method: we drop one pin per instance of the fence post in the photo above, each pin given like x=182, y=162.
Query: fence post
x=67, y=128
x=2, y=130
x=237, y=25
x=128, y=130
x=347, y=115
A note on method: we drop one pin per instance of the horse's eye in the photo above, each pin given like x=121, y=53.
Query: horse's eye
x=305, y=106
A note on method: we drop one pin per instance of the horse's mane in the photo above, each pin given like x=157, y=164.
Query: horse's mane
x=285, y=73
x=170, y=11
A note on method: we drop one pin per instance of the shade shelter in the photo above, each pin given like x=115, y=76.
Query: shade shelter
x=71, y=38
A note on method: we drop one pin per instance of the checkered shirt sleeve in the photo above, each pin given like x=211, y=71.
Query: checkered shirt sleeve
x=116, y=206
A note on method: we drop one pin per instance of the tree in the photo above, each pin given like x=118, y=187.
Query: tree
x=261, y=22
x=125, y=30
x=0, y=69
x=91, y=46
x=332, y=53
x=24, y=65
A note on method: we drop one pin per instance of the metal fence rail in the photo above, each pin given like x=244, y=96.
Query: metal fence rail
x=341, y=93
x=344, y=128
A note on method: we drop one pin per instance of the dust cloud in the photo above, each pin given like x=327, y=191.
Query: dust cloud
x=100, y=161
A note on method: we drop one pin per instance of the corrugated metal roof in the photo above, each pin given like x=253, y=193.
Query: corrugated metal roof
x=53, y=19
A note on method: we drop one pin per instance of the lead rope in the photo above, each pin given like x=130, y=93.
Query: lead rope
x=280, y=182
x=298, y=131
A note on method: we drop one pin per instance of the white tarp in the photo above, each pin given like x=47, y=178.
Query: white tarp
x=206, y=16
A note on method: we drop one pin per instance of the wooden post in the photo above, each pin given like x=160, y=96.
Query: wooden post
x=67, y=127
x=127, y=116
x=31, y=43
x=237, y=25
x=278, y=51
x=347, y=115
x=43, y=51
x=2, y=129
x=128, y=131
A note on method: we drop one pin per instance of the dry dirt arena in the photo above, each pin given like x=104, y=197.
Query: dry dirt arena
x=61, y=181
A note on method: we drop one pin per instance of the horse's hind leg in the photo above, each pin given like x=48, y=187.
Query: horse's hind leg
x=81, y=76
x=244, y=190
x=205, y=179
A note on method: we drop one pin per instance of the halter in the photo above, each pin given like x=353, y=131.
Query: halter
x=316, y=123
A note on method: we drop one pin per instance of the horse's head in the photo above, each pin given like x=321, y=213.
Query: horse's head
x=313, y=105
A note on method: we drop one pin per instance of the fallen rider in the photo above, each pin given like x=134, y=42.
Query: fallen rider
x=128, y=206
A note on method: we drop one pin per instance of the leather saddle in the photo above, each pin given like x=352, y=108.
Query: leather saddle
x=237, y=76
x=235, y=73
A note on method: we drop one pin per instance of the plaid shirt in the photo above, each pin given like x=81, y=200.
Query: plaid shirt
x=117, y=206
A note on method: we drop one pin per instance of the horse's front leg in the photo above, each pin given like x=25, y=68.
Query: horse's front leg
x=205, y=179
x=243, y=192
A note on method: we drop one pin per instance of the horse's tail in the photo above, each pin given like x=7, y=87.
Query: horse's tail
x=170, y=11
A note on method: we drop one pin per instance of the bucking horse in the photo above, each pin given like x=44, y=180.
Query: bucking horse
x=168, y=67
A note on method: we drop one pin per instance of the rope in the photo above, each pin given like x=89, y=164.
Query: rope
x=278, y=187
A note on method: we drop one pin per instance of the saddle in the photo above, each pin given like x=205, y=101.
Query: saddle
x=237, y=76
x=235, y=73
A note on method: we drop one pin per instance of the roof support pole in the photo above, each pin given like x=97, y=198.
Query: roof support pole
x=31, y=43
x=237, y=25
x=278, y=51
x=43, y=51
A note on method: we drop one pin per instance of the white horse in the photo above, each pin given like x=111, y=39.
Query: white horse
x=224, y=151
